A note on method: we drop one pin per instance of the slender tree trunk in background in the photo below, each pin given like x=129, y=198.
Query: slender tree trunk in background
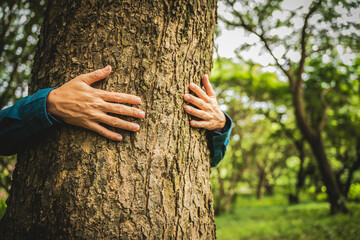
x=314, y=138
x=269, y=188
x=337, y=202
x=261, y=183
x=355, y=166
x=155, y=183
x=301, y=175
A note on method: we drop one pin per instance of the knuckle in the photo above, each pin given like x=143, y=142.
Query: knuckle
x=114, y=96
x=95, y=105
x=91, y=114
x=97, y=74
x=81, y=76
x=212, y=100
x=120, y=109
x=204, y=106
x=114, y=122
x=128, y=126
x=102, y=132
x=84, y=124
x=194, y=99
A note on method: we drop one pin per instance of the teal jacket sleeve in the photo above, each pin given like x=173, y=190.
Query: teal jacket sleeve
x=26, y=117
x=218, y=142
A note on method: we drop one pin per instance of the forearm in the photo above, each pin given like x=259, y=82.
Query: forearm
x=25, y=118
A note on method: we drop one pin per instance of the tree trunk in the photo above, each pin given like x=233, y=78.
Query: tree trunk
x=75, y=184
x=337, y=201
x=314, y=138
x=301, y=175
x=355, y=166
x=261, y=183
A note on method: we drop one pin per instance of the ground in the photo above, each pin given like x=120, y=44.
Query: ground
x=273, y=218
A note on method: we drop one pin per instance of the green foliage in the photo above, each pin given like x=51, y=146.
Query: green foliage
x=258, y=151
x=354, y=192
x=7, y=166
x=271, y=218
x=2, y=207
x=20, y=23
x=315, y=47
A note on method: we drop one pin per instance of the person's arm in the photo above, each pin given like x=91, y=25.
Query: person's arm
x=25, y=118
x=217, y=123
x=75, y=102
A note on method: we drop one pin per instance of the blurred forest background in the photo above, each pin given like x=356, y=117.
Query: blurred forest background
x=292, y=168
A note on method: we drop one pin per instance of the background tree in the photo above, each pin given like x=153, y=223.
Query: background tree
x=248, y=94
x=261, y=19
x=155, y=184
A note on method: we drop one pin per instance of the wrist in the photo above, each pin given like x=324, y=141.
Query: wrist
x=220, y=129
x=50, y=103
x=221, y=126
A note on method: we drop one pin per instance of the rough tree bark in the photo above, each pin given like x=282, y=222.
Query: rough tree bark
x=154, y=184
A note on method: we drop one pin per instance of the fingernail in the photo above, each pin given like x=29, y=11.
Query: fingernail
x=187, y=108
x=141, y=114
x=136, y=127
x=119, y=138
x=192, y=85
x=107, y=68
x=138, y=99
x=186, y=97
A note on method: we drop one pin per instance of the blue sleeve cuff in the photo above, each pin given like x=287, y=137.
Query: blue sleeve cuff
x=35, y=111
x=219, y=141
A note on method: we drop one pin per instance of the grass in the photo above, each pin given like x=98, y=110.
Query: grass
x=2, y=207
x=272, y=218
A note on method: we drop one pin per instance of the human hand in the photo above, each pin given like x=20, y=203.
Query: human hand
x=79, y=104
x=214, y=118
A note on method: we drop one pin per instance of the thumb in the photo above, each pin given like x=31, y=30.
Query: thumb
x=97, y=75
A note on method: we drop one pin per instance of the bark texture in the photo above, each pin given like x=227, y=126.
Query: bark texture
x=75, y=184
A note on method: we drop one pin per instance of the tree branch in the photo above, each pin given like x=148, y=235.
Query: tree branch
x=262, y=38
x=304, y=42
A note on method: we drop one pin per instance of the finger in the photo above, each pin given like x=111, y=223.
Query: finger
x=197, y=113
x=209, y=89
x=123, y=110
x=199, y=124
x=119, y=97
x=196, y=101
x=119, y=123
x=199, y=92
x=104, y=131
x=95, y=76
